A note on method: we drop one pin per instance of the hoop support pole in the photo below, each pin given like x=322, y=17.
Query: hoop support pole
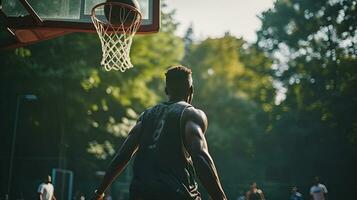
x=32, y=12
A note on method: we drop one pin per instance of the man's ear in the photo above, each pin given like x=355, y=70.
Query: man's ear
x=191, y=89
x=190, y=96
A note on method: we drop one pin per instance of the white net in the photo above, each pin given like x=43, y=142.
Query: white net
x=116, y=31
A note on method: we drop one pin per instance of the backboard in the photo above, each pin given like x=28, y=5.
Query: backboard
x=29, y=21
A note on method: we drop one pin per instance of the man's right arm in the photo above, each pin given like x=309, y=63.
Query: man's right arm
x=195, y=141
x=40, y=191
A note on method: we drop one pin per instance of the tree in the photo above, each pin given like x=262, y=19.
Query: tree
x=314, y=43
x=188, y=39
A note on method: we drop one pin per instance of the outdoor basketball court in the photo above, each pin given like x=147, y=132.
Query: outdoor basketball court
x=275, y=77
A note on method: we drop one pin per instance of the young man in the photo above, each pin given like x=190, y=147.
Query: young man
x=254, y=193
x=46, y=190
x=318, y=191
x=169, y=146
x=295, y=194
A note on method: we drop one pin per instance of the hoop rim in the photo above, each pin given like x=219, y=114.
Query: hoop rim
x=136, y=10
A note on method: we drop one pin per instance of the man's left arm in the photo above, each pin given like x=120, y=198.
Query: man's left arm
x=120, y=160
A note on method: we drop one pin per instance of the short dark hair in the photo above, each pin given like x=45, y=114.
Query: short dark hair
x=178, y=79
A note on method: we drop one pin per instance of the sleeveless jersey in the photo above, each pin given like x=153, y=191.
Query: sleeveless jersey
x=162, y=168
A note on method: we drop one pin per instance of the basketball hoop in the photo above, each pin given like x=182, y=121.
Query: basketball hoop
x=116, y=30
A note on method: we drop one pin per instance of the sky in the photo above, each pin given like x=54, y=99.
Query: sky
x=212, y=18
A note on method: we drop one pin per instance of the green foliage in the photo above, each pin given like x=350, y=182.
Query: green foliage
x=188, y=40
x=320, y=40
x=314, y=43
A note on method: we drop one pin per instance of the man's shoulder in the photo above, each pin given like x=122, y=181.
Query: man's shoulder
x=323, y=187
x=42, y=185
x=41, y=188
x=195, y=112
x=154, y=108
x=147, y=111
x=150, y=108
x=46, y=185
x=196, y=115
x=318, y=187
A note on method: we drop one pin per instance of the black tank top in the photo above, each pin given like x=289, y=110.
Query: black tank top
x=162, y=168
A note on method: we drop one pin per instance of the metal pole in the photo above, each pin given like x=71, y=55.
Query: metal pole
x=13, y=145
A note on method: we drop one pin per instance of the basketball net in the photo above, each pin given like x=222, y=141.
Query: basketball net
x=116, y=33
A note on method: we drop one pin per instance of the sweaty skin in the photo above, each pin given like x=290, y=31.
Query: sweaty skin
x=195, y=125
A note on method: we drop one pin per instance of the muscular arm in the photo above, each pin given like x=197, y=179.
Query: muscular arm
x=121, y=159
x=195, y=127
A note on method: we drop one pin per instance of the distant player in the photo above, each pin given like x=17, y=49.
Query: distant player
x=170, y=146
x=46, y=190
x=295, y=194
x=254, y=193
x=241, y=196
x=318, y=191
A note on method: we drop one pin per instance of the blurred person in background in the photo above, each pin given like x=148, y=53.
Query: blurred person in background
x=295, y=194
x=318, y=191
x=46, y=190
x=241, y=196
x=254, y=193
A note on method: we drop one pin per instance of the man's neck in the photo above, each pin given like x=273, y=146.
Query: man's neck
x=177, y=99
